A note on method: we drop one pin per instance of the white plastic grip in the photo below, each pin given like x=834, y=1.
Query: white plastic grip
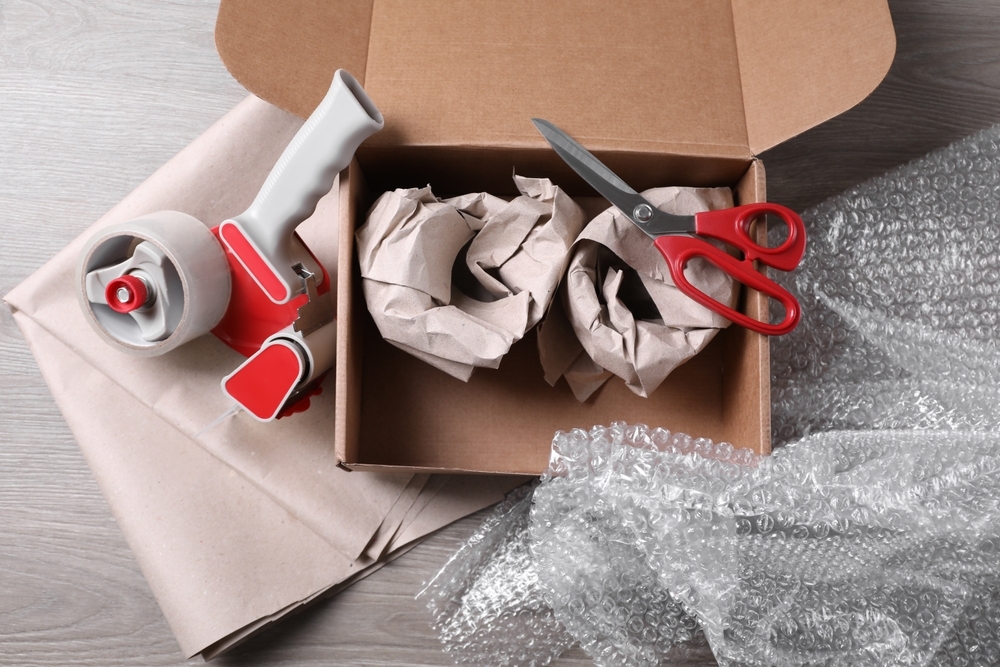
x=321, y=148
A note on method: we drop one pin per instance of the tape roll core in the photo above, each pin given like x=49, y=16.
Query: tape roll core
x=197, y=282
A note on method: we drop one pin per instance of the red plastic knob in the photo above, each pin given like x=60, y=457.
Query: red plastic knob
x=126, y=293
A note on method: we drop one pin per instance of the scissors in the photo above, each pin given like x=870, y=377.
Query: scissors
x=676, y=236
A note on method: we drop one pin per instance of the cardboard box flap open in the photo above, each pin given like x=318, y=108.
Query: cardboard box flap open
x=726, y=78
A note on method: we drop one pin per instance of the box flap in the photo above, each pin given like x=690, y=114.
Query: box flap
x=721, y=78
x=802, y=63
x=286, y=51
x=640, y=75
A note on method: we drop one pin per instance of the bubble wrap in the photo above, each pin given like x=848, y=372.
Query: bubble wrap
x=485, y=602
x=597, y=578
x=874, y=537
x=846, y=548
x=900, y=292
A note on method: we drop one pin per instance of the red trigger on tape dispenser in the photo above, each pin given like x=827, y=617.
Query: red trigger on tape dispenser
x=156, y=282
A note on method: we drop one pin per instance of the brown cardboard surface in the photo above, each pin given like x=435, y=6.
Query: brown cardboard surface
x=504, y=420
x=793, y=79
x=576, y=64
x=690, y=77
x=746, y=357
x=335, y=32
x=347, y=371
x=408, y=414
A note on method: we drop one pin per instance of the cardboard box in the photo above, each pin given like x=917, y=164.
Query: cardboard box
x=679, y=92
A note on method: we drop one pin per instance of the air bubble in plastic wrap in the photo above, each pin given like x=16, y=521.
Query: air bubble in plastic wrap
x=900, y=292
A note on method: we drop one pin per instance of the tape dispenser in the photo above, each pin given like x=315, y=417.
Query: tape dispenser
x=151, y=284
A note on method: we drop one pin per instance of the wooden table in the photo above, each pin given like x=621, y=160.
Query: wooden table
x=94, y=96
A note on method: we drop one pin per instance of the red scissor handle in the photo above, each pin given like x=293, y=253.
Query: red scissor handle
x=732, y=225
x=679, y=250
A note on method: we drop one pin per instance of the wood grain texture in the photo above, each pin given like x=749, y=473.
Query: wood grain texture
x=944, y=84
x=94, y=96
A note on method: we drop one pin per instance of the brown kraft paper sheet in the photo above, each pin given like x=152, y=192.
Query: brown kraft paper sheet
x=247, y=519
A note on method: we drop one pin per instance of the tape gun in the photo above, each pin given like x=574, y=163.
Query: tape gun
x=154, y=283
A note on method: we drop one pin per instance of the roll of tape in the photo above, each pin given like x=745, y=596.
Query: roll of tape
x=185, y=266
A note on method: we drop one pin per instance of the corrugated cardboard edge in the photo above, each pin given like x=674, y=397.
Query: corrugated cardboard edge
x=756, y=361
x=348, y=369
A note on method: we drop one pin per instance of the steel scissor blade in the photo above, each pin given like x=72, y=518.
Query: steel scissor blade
x=583, y=162
x=613, y=188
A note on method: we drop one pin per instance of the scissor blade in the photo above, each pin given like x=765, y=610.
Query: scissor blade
x=584, y=163
x=607, y=182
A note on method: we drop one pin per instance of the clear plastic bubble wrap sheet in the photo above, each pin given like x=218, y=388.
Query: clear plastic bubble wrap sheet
x=845, y=548
x=486, y=602
x=900, y=293
x=871, y=538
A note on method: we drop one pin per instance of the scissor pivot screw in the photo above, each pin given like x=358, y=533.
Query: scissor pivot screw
x=643, y=212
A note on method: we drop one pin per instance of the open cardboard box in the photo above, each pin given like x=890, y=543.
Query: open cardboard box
x=678, y=92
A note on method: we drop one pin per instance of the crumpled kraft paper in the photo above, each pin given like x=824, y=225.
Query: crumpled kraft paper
x=619, y=312
x=458, y=319
x=239, y=525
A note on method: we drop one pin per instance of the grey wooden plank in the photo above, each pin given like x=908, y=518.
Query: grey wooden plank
x=94, y=96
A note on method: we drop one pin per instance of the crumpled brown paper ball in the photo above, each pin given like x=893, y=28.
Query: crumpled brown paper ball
x=515, y=254
x=619, y=312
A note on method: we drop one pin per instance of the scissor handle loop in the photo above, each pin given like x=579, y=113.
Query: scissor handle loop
x=732, y=225
x=679, y=250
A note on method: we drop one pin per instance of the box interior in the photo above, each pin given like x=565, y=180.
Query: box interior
x=395, y=410
x=666, y=92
